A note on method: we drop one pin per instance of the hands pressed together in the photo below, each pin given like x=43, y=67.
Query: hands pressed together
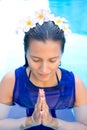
x=41, y=114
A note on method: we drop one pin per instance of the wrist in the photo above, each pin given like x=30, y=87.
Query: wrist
x=23, y=123
x=29, y=122
x=26, y=123
x=54, y=124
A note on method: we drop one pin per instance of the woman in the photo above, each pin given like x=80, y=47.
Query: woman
x=41, y=86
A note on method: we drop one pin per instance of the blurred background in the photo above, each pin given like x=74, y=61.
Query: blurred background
x=11, y=44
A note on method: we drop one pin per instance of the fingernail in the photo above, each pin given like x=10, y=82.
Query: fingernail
x=39, y=91
x=42, y=90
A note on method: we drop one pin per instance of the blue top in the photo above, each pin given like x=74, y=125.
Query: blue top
x=61, y=96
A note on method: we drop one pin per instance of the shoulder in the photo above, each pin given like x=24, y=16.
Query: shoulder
x=67, y=75
x=6, y=87
x=65, y=71
x=19, y=71
x=81, y=92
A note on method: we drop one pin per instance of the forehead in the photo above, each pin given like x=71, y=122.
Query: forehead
x=48, y=46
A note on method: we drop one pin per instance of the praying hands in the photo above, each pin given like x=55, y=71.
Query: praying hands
x=41, y=114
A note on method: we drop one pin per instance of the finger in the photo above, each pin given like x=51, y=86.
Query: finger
x=38, y=106
x=42, y=97
x=36, y=117
x=38, y=103
x=44, y=104
x=41, y=93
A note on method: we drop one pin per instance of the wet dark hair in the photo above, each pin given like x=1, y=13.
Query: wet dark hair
x=47, y=31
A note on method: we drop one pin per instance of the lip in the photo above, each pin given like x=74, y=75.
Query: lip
x=43, y=75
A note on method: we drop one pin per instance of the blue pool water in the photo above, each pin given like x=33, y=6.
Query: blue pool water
x=75, y=55
x=73, y=10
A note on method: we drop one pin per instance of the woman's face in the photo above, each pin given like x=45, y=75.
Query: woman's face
x=44, y=58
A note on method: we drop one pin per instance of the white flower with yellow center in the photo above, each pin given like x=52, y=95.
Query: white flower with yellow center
x=29, y=22
x=63, y=24
x=42, y=16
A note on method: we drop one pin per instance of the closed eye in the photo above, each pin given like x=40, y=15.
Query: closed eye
x=53, y=59
x=36, y=59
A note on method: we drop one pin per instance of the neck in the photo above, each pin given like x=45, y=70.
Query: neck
x=52, y=81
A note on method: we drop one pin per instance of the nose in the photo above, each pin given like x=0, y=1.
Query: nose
x=44, y=67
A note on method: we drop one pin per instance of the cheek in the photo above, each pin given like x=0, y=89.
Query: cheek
x=54, y=66
x=33, y=65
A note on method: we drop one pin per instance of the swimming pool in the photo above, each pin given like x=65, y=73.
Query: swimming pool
x=75, y=54
x=73, y=10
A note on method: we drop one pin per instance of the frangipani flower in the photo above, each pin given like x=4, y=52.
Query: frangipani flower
x=58, y=20
x=63, y=24
x=42, y=16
